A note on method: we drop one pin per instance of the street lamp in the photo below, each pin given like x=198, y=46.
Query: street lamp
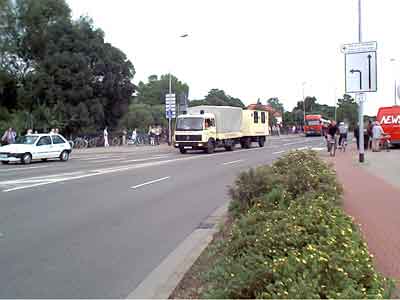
x=170, y=92
x=393, y=60
x=304, y=104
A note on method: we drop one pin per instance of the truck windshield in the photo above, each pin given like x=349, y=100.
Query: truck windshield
x=189, y=124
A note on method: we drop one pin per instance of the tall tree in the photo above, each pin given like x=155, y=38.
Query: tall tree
x=276, y=104
x=347, y=110
x=218, y=98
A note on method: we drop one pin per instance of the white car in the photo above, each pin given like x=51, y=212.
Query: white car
x=36, y=146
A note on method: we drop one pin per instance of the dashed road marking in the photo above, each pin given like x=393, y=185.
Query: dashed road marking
x=233, y=162
x=279, y=152
x=149, y=182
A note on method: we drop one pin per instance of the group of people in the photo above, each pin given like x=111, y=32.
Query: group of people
x=154, y=133
x=372, y=137
x=373, y=134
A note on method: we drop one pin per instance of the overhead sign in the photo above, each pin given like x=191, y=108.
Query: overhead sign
x=359, y=47
x=361, y=72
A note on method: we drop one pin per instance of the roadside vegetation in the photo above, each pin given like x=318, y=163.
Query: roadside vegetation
x=287, y=237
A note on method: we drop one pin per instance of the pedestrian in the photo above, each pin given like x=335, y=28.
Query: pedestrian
x=57, y=131
x=7, y=137
x=124, y=133
x=158, y=135
x=29, y=131
x=370, y=126
x=52, y=131
x=377, y=133
x=357, y=136
x=105, y=135
x=134, y=136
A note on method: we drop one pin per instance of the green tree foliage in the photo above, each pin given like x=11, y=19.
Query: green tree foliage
x=347, y=110
x=218, y=98
x=51, y=63
x=141, y=116
x=276, y=104
x=153, y=92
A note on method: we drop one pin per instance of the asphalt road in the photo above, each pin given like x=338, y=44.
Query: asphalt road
x=97, y=225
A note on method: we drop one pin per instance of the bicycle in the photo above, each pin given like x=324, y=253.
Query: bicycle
x=385, y=142
x=343, y=145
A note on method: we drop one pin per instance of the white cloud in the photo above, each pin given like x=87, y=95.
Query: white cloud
x=252, y=49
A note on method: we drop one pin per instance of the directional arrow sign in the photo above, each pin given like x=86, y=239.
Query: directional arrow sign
x=360, y=72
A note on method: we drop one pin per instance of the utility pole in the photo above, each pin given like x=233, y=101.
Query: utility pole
x=304, y=106
x=360, y=96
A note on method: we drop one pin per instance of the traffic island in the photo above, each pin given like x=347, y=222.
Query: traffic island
x=286, y=236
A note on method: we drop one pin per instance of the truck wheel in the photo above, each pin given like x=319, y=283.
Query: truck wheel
x=210, y=147
x=247, y=143
x=182, y=150
x=261, y=142
x=230, y=147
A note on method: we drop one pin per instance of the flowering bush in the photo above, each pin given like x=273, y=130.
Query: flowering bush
x=293, y=240
x=304, y=251
x=296, y=173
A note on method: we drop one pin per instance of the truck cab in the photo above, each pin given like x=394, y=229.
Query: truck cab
x=195, y=132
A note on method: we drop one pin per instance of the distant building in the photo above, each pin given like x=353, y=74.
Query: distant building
x=272, y=112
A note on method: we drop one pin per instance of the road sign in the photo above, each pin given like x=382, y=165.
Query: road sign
x=360, y=72
x=359, y=47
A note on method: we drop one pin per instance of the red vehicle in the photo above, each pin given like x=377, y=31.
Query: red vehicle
x=315, y=125
x=389, y=118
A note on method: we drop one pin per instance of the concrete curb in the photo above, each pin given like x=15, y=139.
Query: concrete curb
x=162, y=281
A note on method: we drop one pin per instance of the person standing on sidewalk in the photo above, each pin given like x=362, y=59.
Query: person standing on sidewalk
x=377, y=133
x=370, y=126
x=105, y=135
x=357, y=136
x=124, y=133
x=343, y=133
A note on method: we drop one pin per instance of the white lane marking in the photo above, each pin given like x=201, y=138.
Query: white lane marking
x=302, y=148
x=144, y=159
x=92, y=158
x=233, y=162
x=106, y=160
x=113, y=170
x=299, y=142
x=279, y=152
x=318, y=148
x=149, y=182
x=22, y=168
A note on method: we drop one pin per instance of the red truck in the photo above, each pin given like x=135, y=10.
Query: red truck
x=315, y=125
x=389, y=118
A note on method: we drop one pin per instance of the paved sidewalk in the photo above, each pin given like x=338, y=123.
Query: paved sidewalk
x=374, y=203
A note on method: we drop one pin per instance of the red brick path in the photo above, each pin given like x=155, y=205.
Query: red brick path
x=375, y=205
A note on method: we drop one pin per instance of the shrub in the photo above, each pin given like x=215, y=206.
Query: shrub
x=304, y=251
x=250, y=185
x=296, y=173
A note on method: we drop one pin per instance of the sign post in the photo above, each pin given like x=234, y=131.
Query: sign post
x=170, y=112
x=360, y=75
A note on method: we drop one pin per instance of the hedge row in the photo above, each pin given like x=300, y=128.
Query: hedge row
x=291, y=239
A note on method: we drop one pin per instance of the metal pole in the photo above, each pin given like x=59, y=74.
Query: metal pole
x=360, y=97
x=169, y=117
x=304, y=108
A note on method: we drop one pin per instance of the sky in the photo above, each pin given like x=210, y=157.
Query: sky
x=252, y=49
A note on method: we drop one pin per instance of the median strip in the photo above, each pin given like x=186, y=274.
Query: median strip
x=149, y=182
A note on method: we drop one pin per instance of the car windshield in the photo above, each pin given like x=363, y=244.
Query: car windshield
x=313, y=122
x=189, y=124
x=27, y=139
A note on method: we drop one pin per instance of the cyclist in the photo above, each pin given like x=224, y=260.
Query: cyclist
x=331, y=134
x=343, y=130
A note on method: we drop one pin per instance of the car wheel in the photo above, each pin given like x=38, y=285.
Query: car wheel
x=64, y=156
x=4, y=162
x=26, y=159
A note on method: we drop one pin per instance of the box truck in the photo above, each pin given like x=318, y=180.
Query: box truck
x=389, y=118
x=210, y=127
